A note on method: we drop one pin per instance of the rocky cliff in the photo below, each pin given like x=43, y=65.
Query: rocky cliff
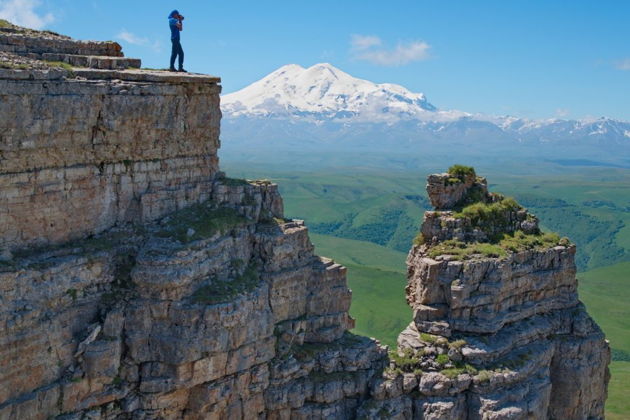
x=137, y=281
x=498, y=331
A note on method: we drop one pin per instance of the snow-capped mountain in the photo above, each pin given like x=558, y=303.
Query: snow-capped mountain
x=322, y=107
x=323, y=92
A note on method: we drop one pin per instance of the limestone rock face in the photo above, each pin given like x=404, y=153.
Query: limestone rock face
x=236, y=320
x=84, y=149
x=448, y=190
x=498, y=331
x=137, y=281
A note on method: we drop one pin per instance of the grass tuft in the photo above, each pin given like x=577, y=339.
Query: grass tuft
x=520, y=241
x=419, y=239
x=428, y=338
x=496, y=213
x=72, y=293
x=59, y=64
x=461, y=171
x=13, y=66
x=453, y=373
x=457, y=344
x=442, y=359
x=459, y=250
x=484, y=376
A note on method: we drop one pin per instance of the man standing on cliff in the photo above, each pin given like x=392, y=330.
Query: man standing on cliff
x=175, y=23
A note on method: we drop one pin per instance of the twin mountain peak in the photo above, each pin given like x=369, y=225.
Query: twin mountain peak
x=323, y=93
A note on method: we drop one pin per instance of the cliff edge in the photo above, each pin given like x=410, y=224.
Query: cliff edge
x=137, y=281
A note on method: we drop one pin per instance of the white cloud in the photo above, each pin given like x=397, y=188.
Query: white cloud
x=133, y=39
x=623, y=64
x=23, y=13
x=364, y=42
x=368, y=48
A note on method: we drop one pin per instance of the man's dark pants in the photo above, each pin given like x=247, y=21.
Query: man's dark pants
x=177, y=51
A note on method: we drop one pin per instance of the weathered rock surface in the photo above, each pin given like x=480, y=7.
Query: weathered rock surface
x=84, y=149
x=138, y=282
x=448, y=190
x=498, y=331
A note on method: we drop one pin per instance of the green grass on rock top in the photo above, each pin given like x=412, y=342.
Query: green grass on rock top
x=480, y=212
x=461, y=171
x=509, y=243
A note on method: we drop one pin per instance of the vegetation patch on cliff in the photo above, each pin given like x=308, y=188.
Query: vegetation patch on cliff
x=408, y=361
x=496, y=213
x=13, y=66
x=200, y=221
x=520, y=241
x=234, y=182
x=459, y=369
x=508, y=243
x=59, y=64
x=459, y=250
x=460, y=172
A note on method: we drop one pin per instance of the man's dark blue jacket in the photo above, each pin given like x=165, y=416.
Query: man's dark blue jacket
x=172, y=22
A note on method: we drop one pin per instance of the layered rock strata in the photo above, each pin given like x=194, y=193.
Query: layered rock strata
x=82, y=149
x=218, y=311
x=498, y=330
x=138, y=282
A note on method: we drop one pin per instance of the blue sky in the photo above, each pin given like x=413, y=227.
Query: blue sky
x=533, y=58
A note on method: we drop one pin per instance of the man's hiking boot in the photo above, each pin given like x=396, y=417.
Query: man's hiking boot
x=182, y=71
x=172, y=69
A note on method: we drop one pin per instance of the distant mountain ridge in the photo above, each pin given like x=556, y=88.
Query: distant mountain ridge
x=324, y=105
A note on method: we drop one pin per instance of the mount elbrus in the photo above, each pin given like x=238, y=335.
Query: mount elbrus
x=322, y=110
x=137, y=281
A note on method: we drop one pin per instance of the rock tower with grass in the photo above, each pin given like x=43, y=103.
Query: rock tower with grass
x=137, y=281
x=498, y=331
